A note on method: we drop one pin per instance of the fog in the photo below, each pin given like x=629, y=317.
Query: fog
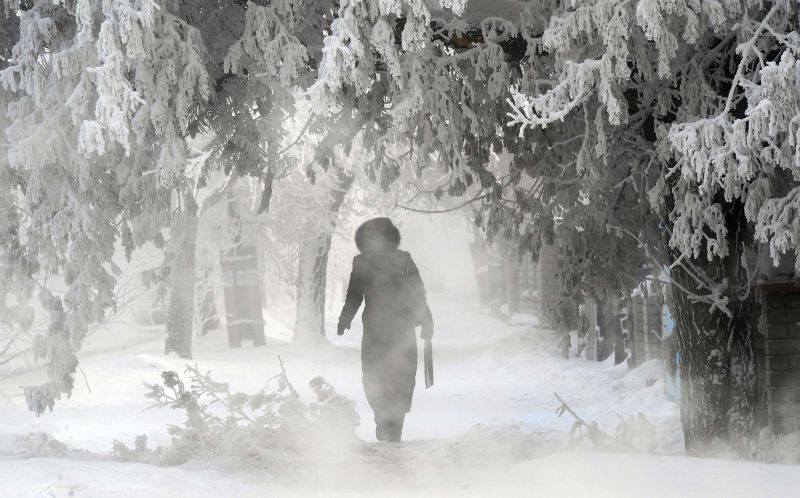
x=489, y=426
x=439, y=243
x=399, y=248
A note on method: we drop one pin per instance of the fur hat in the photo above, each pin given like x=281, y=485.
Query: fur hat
x=377, y=234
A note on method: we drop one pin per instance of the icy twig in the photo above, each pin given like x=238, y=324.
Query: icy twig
x=85, y=379
x=299, y=136
x=565, y=407
x=745, y=49
x=596, y=435
x=212, y=388
x=286, y=379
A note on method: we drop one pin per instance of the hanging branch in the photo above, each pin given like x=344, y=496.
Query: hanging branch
x=478, y=197
x=11, y=342
x=13, y=356
x=299, y=136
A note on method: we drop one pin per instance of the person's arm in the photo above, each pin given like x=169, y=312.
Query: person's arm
x=355, y=294
x=419, y=288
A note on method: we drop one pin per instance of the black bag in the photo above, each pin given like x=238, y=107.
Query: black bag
x=428, y=354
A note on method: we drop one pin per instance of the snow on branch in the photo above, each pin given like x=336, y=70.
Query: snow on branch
x=575, y=86
x=220, y=421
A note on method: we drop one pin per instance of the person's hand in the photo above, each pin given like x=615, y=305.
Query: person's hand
x=341, y=328
x=426, y=333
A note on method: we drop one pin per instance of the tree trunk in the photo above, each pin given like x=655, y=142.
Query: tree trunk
x=180, y=315
x=717, y=364
x=311, y=280
x=209, y=319
x=312, y=273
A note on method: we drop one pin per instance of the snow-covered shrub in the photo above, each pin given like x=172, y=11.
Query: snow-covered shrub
x=250, y=427
x=38, y=445
x=778, y=449
x=635, y=433
x=139, y=452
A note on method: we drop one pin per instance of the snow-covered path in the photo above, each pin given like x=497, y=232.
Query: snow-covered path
x=487, y=428
x=493, y=374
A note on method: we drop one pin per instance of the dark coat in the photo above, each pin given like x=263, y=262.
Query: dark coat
x=389, y=345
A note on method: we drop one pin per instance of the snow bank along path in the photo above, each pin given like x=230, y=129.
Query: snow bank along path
x=488, y=427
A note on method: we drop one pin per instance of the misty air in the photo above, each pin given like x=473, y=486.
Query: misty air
x=399, y=248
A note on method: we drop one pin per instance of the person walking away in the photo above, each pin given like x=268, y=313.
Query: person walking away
x=389, y=283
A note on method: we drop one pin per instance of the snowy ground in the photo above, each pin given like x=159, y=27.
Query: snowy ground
x=487, y=428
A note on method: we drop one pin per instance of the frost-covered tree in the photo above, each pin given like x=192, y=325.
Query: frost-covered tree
x=257, y=53
x=661, y=133
x=448, y=69
x=716, y=86
x=102, y=97
x=317, y=233
x=311, y=204
x=95, y=161
x=647, y=132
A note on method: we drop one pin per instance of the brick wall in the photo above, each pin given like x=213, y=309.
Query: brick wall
x=782, y=355
x=759, y=342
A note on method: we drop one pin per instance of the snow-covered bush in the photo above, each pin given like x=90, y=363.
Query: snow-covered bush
x=39, y=445
x=783, y=449
x=250, y=427
x=634, y=433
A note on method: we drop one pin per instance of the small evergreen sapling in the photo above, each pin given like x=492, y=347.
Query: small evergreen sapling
x=273, y=421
